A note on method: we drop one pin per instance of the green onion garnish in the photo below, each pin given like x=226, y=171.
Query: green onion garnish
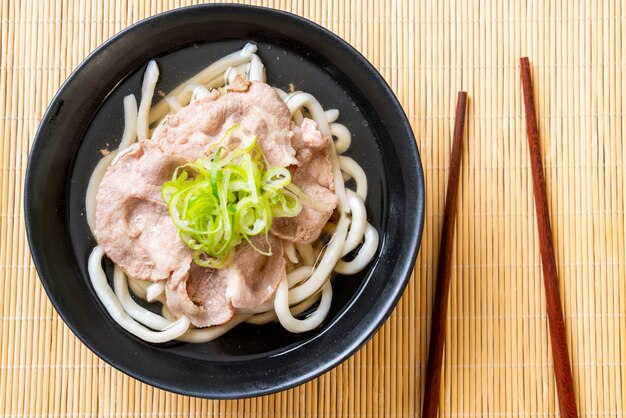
x=218, y=201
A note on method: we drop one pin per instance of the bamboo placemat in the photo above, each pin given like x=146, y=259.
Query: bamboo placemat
x=497, y=357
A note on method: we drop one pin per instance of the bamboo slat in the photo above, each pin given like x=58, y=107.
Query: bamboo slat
x=497, y=358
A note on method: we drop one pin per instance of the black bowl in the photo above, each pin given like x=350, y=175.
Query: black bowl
x=86, y=116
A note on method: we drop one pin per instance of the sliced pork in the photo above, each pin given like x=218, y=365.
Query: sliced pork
x=209, y=296
x=132, y=222
x=314, y=154
x=314, y=177
x=254, y=105
x=253, y=277
x=201, y=297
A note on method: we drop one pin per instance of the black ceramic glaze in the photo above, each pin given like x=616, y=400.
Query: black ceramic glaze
x=87, y=116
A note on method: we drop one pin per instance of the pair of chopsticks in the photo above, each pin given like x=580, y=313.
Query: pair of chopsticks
x=562, y=367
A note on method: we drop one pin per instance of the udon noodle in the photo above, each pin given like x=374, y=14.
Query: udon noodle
x=309, y=267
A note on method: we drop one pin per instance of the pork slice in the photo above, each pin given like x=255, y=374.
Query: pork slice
x=257, y=108
x=209, y=296
x=132, y=221
x=201, y=297
x=253, y=277
x=307, y=226
x=314, y=153
x=314, y=177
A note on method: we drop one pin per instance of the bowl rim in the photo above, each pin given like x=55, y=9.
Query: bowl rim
x=413, y=160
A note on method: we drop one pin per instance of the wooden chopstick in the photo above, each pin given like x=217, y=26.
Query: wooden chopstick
x=562, y=368
x=444, y=265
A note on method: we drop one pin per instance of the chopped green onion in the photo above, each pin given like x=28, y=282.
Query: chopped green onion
x=221, y=200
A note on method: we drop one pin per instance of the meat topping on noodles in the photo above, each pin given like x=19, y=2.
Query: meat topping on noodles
x=133, y=225
x=209, y=295
x=314, y=177
x=254, y=105
x=202, y=297
x=134, y=228
x=313, y=154
x=254, y=276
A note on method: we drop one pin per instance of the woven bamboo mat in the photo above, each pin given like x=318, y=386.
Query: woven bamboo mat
x=497, y=358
